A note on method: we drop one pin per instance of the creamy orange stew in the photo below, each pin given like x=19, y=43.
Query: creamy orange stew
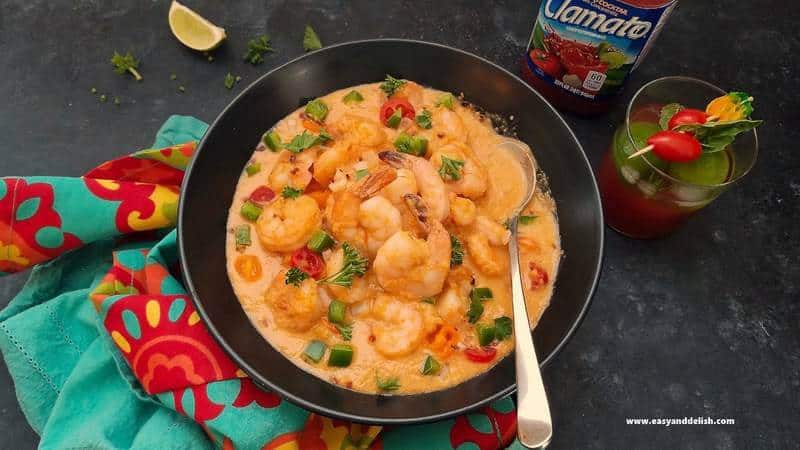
x=367, y=240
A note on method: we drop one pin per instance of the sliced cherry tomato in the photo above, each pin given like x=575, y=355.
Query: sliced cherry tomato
x=248, y=267
x=549, y=63
x=388, y=109
x=537, y=276
x=310, y=125
x=480, y=354
x=262, y=195
x=675, y=147
x=687, y=117
x=309, y=262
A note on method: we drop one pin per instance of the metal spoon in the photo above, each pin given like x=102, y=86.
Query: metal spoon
x=534, y=425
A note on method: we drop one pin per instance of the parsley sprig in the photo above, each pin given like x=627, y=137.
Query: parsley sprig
x=456, y=251
x=295, y=276
x=353, y=264
x=291, y=192
x=451, y=168
x=311, y=40
x=256, y=49
x=126, y=63
x=391, y=84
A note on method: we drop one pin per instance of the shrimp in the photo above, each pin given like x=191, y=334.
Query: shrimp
x=405, y=183
x=483, y=254
x=361, y=289
x=341, y=154
x=430, y=185
x=294, y=308
x=292, y=170
x=496, y=234
x=406, y=265
x=447, y=127
x=462, y=210
x=374, y=182
x=452, y=304
x=398, y=329
x=341, y=215
x=473, y=180
x=287, y=224
x=359, y=130
x=380, y=219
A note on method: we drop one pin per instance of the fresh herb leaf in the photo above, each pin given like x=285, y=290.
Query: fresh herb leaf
x=527, y=220
x=391, y=84
x=295, y=276
x=345, y=330
x=103, y=97
x=291, y=192
x=456, y=251
x=361, y=173
x=666, y=114
x=256, y=49
x=353, y=264
x=311, y=40
x=306, y=140
x=503, y=328
x=451, y=168
x=126, y=63
x=717, y=136
x=353, y=97
x=424, y=119
x=475, y=309
x=317, y=110
x=412, y=145
x=447, y=100
x=431, y=366
x=387, y=384
x=229, y=81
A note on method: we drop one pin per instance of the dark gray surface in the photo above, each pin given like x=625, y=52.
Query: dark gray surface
x=703, y=323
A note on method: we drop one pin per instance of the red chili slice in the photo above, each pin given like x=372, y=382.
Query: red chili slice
x=537, y=276
x=262, y=195
x=309, y=262
x=480, y=354
x=388, y=109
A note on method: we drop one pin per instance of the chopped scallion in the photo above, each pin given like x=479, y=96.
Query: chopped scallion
x=394, y=120
x=242, y=234
x=503, y=328
x=353, y=97
x=272, y=140
x=527, y=220
x=336, y=312
x=317, y=110
x=320, y=241
x=341, y=355
x=315, y=351
x=485, y=334
x=250, y=211
x=253, y=169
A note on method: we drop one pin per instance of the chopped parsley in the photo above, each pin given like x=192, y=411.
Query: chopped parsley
x=291, y=192
x=353, y=264
x=126, y=63
x=353, y=97
x=456, y=251
x=306, y=140
x=229, y=81
x=476, y=299
x=295, y=276
x=345, y=330
x=451, y=168
x=503, y=328
x=391, y=84
x=412, y=145
x=311, y=40
x=256, y=49
x=424, y=119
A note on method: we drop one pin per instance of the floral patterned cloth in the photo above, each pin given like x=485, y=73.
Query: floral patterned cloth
x=160, y=344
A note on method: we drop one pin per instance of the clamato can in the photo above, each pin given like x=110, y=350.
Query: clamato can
x=581, y=52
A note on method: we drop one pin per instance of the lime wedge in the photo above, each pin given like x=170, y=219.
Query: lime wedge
x=633, y=169
x=709, y=169
x=193, y=30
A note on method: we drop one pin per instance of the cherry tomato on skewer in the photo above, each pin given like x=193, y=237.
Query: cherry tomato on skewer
x=675, y=146
x=389, y=107
x=687, y=117
x=309, y=262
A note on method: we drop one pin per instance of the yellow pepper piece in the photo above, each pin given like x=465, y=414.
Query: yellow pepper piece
x=730, y=107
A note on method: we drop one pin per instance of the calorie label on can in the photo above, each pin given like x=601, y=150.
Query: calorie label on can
x=589, y=47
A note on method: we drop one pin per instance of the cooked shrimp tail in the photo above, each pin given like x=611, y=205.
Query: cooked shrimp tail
x=374, y=182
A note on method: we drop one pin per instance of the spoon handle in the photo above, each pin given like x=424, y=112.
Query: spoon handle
x=534, y=425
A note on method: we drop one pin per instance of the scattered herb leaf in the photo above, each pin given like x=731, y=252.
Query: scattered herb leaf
x=353, y=97
x=451, y=168
x=413, y=145
x=527, y=220
x=503, y=328
x=256, y=49
x=424, y=120
x=345, y=330
x=456, y=251
x=229, y=81
x=317, y=110
x=295, y=276
x=311, y=40
x=387, y=384
x=391, y=84
x=447, y=100
x=353, y=264
x=291, y=192
x=431, y=366
x=667, y=111
x=126, y=63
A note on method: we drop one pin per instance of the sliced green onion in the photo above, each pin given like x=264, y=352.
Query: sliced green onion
x=341, y=355
x=430, y=366
x=320, y=241
x=336, y=311
x=503, y=328
x=315, y=351
x=447, y=100
x=485, y=334
x=272, y=140
x=527, y=220
x=424, y=120
x=253, y=169
x=250, y=211
x=387, y=384
x=361, y=173
x=242, y=234
x=412, y=145
x=317, y=110
x=481, y=293
x=353, y=96
x=394, y=120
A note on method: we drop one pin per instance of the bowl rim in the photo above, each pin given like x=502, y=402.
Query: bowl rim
x=262, y=381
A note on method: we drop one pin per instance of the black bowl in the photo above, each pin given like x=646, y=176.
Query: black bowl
x=212, y=176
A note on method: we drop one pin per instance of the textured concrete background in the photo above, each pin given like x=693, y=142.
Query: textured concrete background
x=703, y=323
